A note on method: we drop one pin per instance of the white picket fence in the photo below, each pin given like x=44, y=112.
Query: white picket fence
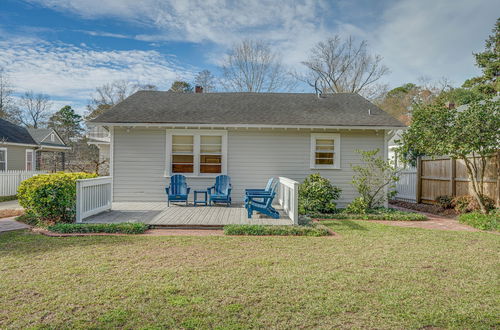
x=11, y=179
x=92, y=196
x=289, y=198
x=406, y=187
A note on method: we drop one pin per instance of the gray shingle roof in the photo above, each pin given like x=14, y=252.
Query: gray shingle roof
x=39, y=134
x=13, y=133
x=343, y=109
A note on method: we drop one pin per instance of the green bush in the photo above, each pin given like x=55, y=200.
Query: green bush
x=374, y=214
x=481, y=221
x=260, y=230
x=357, y=206
x=445, y=201
x=122, y=228
x=467, y=203
x=51, y=197
x=317, y=194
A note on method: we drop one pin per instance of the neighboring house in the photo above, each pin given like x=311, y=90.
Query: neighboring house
x=100, y=137
x=23, y=149
x=249, y=136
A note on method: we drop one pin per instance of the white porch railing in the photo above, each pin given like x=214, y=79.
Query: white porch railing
x=11, y=179
x=92, y=196
x=406, y=187
x=289, y=198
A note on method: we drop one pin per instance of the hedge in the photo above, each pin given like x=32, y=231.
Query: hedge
x=373, y=214
x=122, y=228
x=270, y=230
x=51, y=197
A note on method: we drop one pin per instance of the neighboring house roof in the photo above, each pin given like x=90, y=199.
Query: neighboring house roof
x=42, y=137
x=342, y=109
x=13, y=133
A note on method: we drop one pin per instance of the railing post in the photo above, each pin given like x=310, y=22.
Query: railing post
x=295, y=203
x=78, y=201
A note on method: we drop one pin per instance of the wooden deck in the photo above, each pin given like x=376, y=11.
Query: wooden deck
x=159, y=214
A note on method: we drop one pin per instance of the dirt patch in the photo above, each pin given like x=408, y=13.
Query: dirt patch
x=425, y=208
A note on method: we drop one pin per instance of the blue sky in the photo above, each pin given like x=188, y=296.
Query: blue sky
x=66, y=48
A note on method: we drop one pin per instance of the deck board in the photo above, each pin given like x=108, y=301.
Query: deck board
x=158, y=213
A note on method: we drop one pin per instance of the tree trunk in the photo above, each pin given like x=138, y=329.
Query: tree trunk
x=475, y=190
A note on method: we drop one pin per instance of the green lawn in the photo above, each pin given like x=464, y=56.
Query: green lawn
x=372, y=276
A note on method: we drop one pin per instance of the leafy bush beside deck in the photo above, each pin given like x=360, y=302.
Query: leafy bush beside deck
x=261, y=230
x=110, y=228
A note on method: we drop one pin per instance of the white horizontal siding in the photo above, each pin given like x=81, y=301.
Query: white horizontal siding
x=253, y=157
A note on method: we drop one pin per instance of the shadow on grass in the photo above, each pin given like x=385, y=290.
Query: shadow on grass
x=25, y=242
x=344, y=224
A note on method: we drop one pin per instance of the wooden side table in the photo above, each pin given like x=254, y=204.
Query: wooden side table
x=203, y=200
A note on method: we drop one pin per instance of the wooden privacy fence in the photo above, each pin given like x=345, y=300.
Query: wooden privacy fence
x=92, y=196
x=11, y=179
x=446, y=176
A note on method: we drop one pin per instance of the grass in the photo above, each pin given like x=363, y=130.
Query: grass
x=315, y=230
x=122, y=228
x=481, y=221
x=375, y=214
x=7, y=198
x=370, y=276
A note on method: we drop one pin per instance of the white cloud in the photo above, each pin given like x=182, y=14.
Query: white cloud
x=434, y=38
x=70, y=74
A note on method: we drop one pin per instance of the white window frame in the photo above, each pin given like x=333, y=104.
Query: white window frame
x=32, y=159
x=6, y=159
x=196, y=133
x=336, y=151
x=52, y=137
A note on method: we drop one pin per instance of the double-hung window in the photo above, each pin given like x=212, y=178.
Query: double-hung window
x=196, y=152
x=325, y=151
x=30, y=160
x=3, y=159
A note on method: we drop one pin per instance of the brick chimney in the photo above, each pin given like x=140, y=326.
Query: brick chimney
x=198, y=89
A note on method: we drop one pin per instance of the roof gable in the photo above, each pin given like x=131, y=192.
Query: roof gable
x=342, y=109
x=43, y=136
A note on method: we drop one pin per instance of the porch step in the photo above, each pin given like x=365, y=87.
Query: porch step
x=160, y=226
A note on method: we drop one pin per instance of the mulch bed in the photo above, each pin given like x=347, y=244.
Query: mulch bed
x=426, y=208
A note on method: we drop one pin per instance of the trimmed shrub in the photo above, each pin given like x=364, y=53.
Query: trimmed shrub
x=261, y=230
x=481, y=221
x=51, y=197
x=467, y=203
x=357, y=206
x=374, y=214
x=122, y=228
x=317, y=194
x=445, y=201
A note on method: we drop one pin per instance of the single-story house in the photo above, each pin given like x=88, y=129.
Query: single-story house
x=22, y=148
x=248, y=136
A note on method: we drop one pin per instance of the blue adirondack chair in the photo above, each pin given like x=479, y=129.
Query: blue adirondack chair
x=221, y=191
x=178, y=191
x=262, y=202
x=265, y=190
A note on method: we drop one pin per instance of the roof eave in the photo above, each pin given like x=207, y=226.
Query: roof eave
x=195, y=125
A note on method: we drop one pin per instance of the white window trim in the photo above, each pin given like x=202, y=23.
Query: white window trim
x=336, y=152
x=196, y=133
x=6, y=159
x=32, y=159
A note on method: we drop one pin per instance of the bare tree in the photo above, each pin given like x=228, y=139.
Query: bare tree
x=206, y=80
x=109, y=94
x=252, y=66
x=34, y=109
x=344, y=66
x=7, y=103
